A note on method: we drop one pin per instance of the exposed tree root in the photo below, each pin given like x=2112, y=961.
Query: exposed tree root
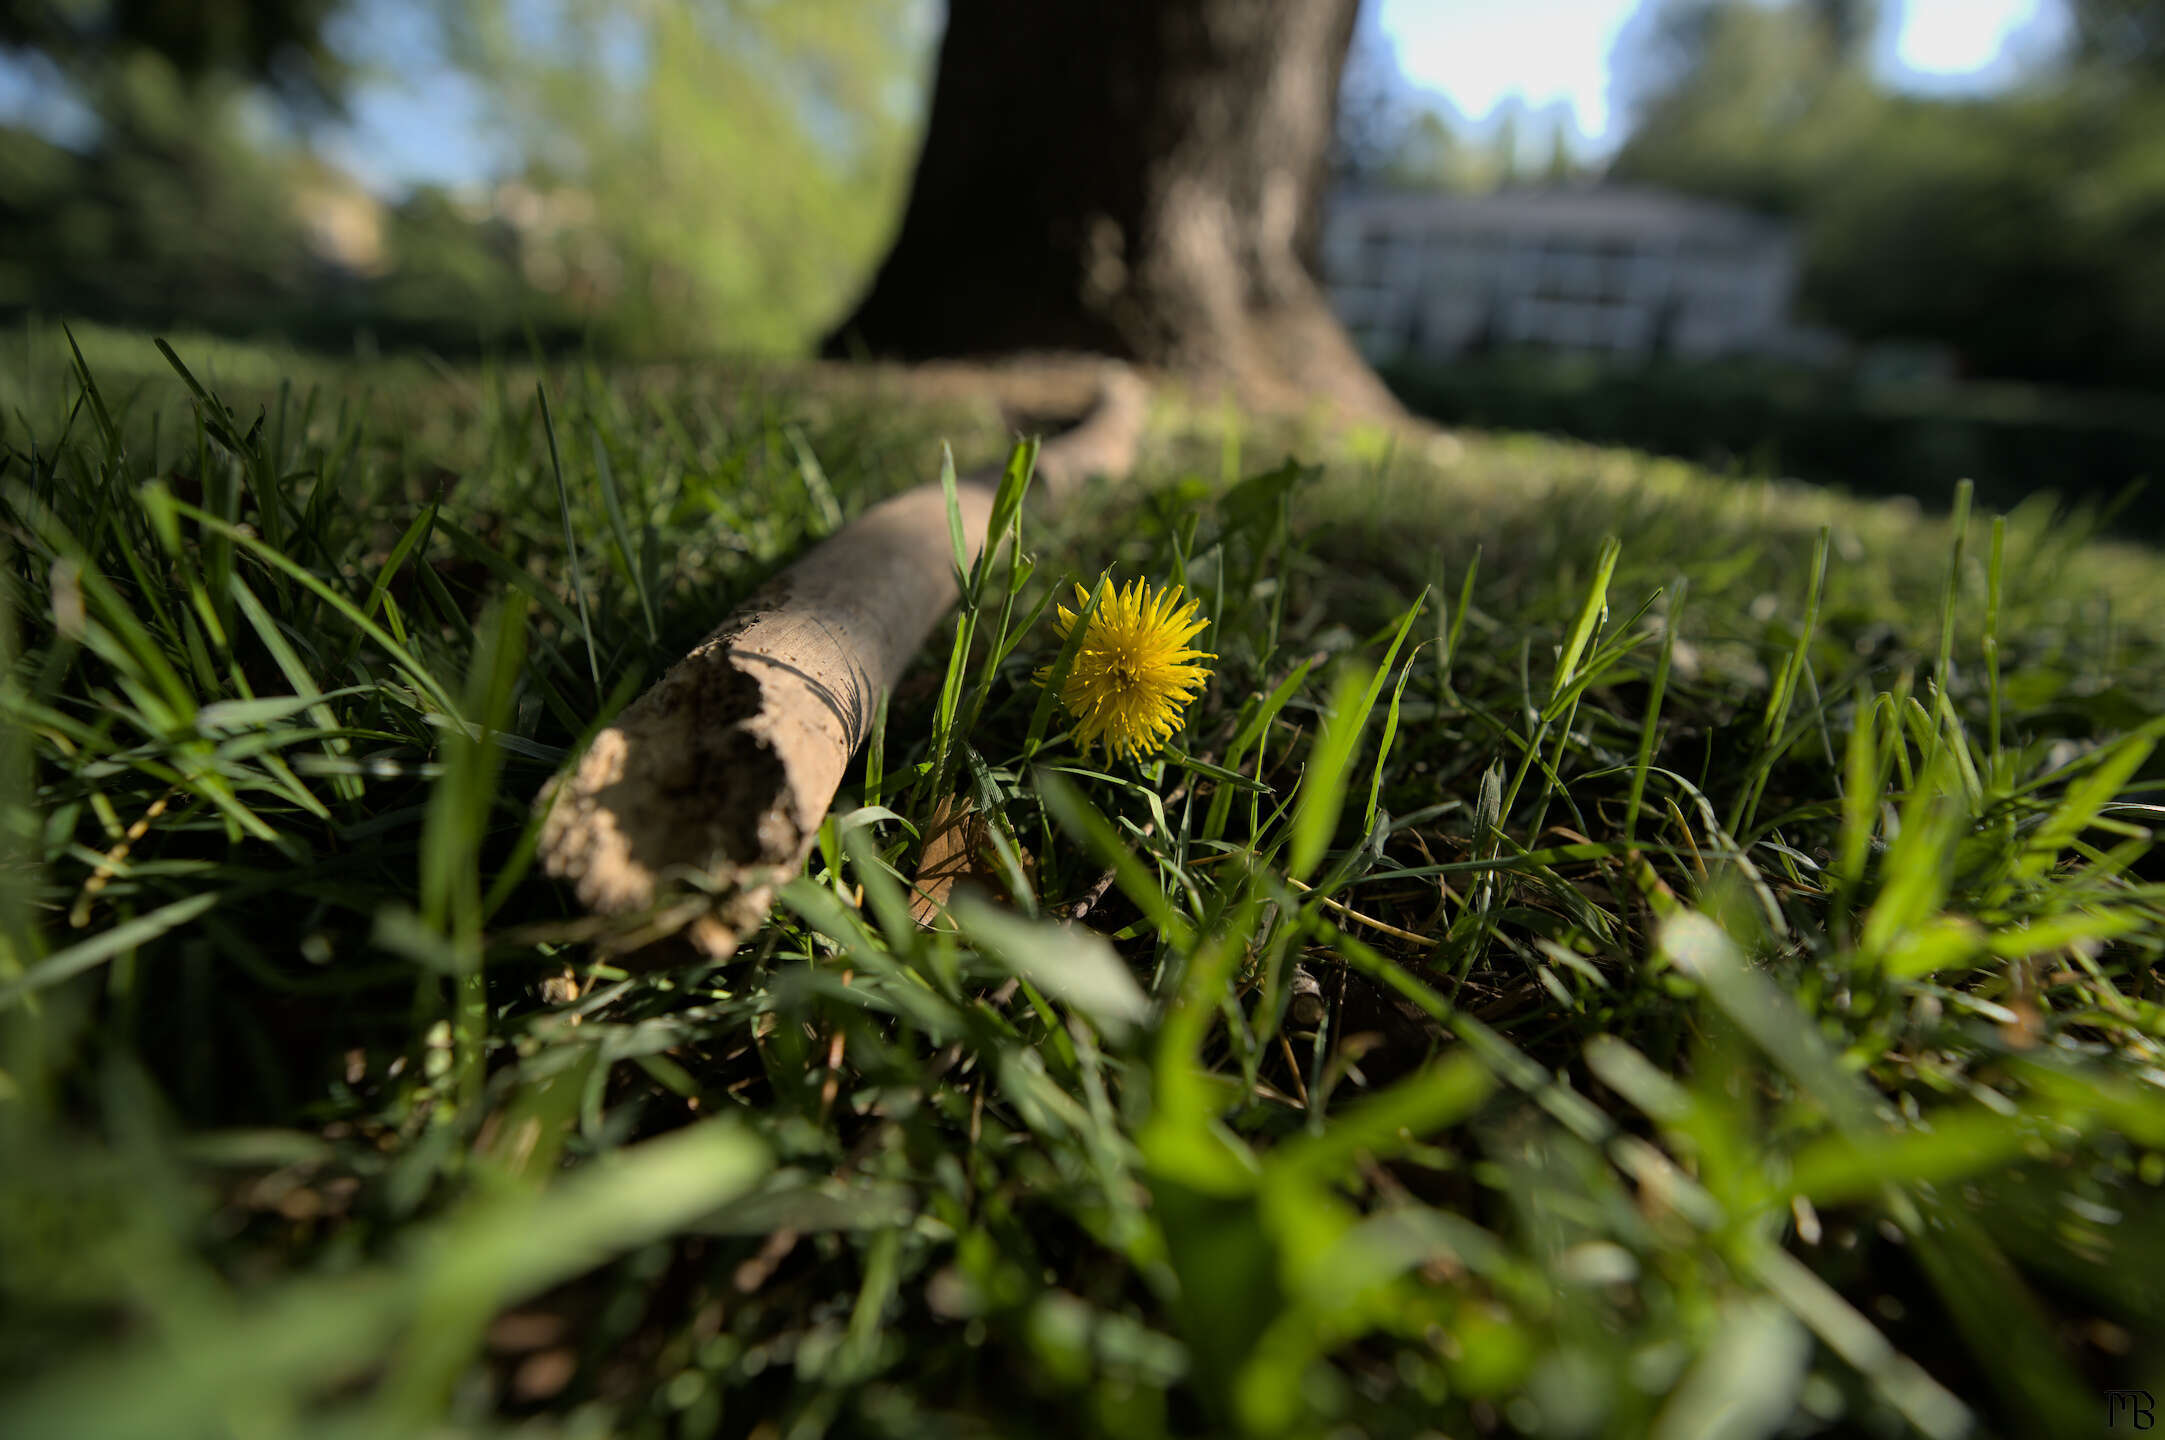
x=714, y=782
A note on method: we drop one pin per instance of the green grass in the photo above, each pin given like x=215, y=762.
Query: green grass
x=1615, y=951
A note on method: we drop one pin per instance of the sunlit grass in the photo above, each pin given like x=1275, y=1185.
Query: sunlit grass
x=1610, y=951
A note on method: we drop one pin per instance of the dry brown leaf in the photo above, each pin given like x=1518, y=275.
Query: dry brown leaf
x=958, y=846
x=951, y=846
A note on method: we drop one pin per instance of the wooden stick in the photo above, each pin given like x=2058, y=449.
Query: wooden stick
x=717, y=778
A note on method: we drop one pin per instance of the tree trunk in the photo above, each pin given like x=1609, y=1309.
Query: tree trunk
x=1137, y=179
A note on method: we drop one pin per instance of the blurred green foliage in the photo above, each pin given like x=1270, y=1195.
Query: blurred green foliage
x=1830, y=427
x=279, y=42
x=2123, y=33
x=175, y=217
x=166, y=197
x=741, y=162
x=2024, y=229
x=713, y=174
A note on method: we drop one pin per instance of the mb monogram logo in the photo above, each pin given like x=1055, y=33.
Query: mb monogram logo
x=2131, y=1409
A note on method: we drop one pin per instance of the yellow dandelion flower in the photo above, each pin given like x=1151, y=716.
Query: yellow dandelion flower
x=1133, y=673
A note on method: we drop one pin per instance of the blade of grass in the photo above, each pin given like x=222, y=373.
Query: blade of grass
x=571, y=539
x=1323, y=785
x=613, y=502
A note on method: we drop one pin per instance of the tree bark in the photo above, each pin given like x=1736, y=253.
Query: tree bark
x=1137, y=179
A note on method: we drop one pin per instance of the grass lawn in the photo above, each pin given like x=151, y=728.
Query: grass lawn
x=1613, y=951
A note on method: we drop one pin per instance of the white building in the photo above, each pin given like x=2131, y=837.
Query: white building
x=1608, y=269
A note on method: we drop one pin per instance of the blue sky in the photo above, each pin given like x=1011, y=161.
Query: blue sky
x=1477, y=54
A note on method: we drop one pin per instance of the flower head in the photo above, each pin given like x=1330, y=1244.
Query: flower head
x=1133, y=673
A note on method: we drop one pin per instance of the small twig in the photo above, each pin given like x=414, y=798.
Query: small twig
x=833, y=1084
x=1698, y=861
x=756, y=1271
x=1445, y=895
x=109, y=864
x=1104, y=882
x=1090, y=898
x=1293, y=1068
x=1368, y=920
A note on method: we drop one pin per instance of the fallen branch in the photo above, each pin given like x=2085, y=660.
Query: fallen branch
x=715, y=781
